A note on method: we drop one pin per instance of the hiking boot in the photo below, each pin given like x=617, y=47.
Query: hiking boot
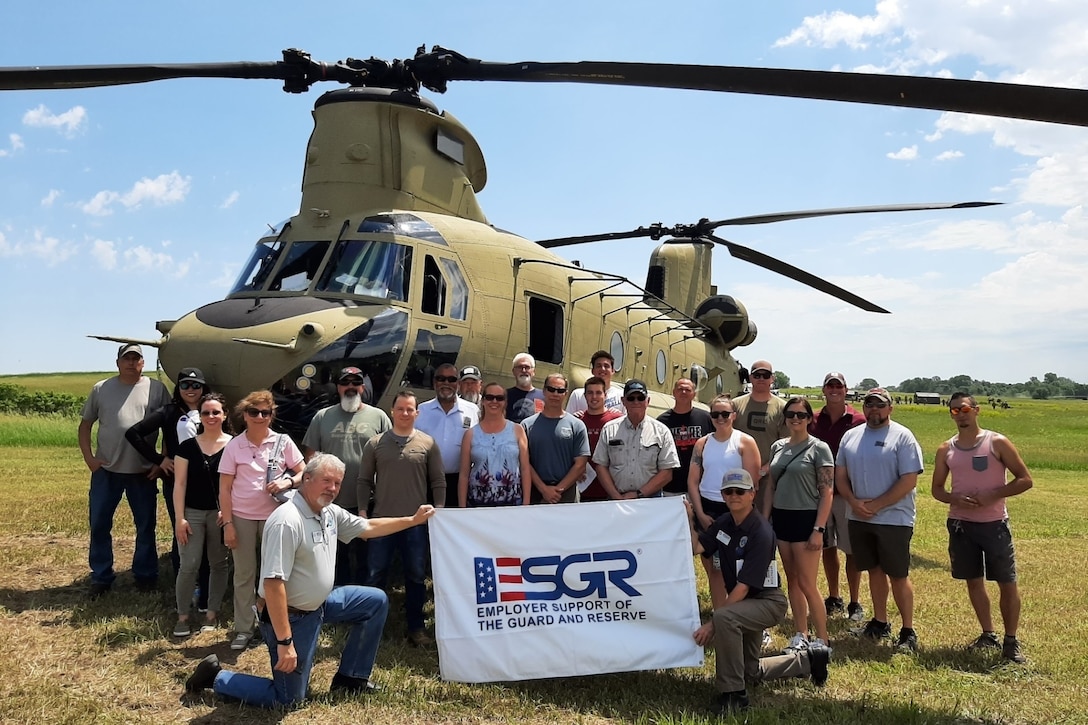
x=419, y=638
x=834, y=605
x=1010, y=650
x=731, y=702
x=819, y=656
x=908, y=640
x=204, y=675
x=855, y=612
x=875, y=629
x=986, y=640
x=346, y=685
x=798, y=643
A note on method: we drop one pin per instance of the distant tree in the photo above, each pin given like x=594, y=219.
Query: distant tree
x=868, y=383
x=781, y=380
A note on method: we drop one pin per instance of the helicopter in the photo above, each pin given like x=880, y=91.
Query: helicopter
x=392, y=266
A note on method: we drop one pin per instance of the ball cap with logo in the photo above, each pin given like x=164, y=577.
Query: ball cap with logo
x=737, y=478
x=634, y=386
x=193, y=375
x=470, y=372
x=834, y=376
x=349, y=372
x=880, y=394
x=126, y=349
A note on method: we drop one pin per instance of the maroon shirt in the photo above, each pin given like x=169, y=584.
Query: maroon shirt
x=594, y=423
x=832, y=433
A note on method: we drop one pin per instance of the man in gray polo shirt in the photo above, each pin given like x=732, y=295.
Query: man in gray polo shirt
x=298, y=561
x=635, y=454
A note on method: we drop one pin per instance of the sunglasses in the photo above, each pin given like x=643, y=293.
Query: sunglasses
x=635, y=398
x=735, y=491
x=445, y=378
x=210, y=413
x=190, y=385
x=876, y=404
x=355, y=382
x=258, y=413
x=834, y=384
x=492, y=398
x=762, y=375
x=796, y=414
x=715, y=414
x=962, y=409
x=550, y=389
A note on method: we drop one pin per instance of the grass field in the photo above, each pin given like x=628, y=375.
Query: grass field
x=112, y=661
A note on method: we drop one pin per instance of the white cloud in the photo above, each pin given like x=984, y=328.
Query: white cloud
x=164, y=189
x=949, y=155
x=68, y=123
x=48, y=249
x=230, y=200
x=138, y=260
x=16, y=143
x=48, y=199
x=907, y=153
x=831, y=29
x=105, y=253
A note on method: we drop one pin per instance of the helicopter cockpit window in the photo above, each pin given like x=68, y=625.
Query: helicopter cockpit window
x=299, y=268
x=407, y=225
x=434, y=288
x=545, y=330
x=258, y=267
x=374, y=269
x=458, y=289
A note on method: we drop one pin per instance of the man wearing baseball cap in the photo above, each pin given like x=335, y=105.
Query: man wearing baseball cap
x=468, y=385
x=761, y=414
x=745, y=543
x=876, y=472
x=635, y=454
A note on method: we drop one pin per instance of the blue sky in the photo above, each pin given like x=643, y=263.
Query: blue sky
x=123, y=206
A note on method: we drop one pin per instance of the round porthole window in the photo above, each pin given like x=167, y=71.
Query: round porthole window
x=662, y=367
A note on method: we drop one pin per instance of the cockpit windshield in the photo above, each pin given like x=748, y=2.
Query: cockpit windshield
x=259, y=266
x=374, y=269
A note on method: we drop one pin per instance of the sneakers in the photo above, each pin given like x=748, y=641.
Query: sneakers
x=181, y=629
x=1010, y=650
x=855, y=612
x=241, y=640
x=419, y=638
x=986, y=640
x=908, y=640
x=731, y=702
x=819, y=655
x=204, y=675
x=352, y=685
x=798, y=643
x=766, y=639
x=210, y=625
x=834, y=605
x=875, y=629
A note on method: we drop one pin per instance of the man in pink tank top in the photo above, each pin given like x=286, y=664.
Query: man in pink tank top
x=980, y=541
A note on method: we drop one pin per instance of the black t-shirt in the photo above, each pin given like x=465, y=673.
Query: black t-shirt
x=686, y=429
x=202, y=478
x=520, y=404
x=751, y=542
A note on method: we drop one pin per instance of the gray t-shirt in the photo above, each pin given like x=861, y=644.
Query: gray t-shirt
x=763, y=421
x=299, y=547
x=795, y=469
x=343, y=435
x=874, y=460
x=117, y=407
x=554, y=443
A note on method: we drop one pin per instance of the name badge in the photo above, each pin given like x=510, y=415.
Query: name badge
x=771, y=579
x=319, y=537
x=724, y=538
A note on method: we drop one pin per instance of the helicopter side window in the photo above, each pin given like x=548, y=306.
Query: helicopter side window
x=458, y=289
x=374, y=269
x=545, y=330
x=258, y=267
x=434, y=288
x=299, y=267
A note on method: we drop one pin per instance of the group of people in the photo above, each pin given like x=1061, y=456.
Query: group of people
x=760, y=474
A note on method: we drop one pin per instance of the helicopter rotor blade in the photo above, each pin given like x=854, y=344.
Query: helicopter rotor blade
x=767, y=262
x=813, y=213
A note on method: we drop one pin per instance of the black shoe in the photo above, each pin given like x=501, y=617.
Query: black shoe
x=818, y=658
x=352, y=685
x=834, y=605
x=1010, y=650
x=855, y=612
x=98, y=589
x=204, y=675
x=908, y=640
x=147, y=585
x=731, y=702
x=875, y=629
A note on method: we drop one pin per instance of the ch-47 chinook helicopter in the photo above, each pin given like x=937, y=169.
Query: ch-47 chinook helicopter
x=392, y=266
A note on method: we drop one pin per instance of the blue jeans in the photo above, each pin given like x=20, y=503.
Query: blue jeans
x=412, y=545
x=365, y=608
x=105, y=495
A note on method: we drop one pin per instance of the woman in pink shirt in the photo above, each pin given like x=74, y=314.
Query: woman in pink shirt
x=256, y=470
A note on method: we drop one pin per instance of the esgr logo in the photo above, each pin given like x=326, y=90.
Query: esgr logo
x=505, y=578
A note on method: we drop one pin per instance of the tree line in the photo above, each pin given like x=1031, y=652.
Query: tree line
x=1051, y=386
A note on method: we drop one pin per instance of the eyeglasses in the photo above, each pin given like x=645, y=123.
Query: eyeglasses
x=715, y=414
x=635, y=398
x=962, y=409
x=355, y=382
x=735, y=491
x=523, y=367
x=796, y=414
x=258, y=413
x=190, y=385
x=762, y=375
x=875, y=404
x=492, y=398
x=210, y=413
x=445, y=378
x=550, y=389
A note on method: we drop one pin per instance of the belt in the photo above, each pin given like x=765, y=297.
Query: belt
x=296, y=610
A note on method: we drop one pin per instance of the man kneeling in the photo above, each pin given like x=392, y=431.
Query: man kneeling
x=298, y=564
x=744, y=542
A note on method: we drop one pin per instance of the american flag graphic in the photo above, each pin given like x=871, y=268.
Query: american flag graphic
x=494, y=577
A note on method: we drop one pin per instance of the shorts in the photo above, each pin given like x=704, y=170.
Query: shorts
x=792, y=525
x=882, y=545
x=714, y=509
x=838, y=527
x=978, y=549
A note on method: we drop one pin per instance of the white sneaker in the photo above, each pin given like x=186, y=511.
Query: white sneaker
x=241, y=640
x=798, y=643
x=766, y=639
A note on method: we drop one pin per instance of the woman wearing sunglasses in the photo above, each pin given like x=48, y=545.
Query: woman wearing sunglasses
x=494, y=457
x=713, y=456
x=196, y=496
x=256, y=470
x=801, y=475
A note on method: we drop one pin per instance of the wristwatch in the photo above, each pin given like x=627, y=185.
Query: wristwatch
x=821, y=529
x=285, y=642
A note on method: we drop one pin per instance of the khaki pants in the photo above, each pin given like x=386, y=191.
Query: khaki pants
x=738, y=638
x=247, y=563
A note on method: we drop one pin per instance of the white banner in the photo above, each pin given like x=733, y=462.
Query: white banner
x=524, y=592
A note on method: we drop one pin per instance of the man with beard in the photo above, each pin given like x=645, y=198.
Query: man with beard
x=299, y=547
x=446, y=418
x=760, y=415
x=343, y=430
x=523, y=399
x=468, y=386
